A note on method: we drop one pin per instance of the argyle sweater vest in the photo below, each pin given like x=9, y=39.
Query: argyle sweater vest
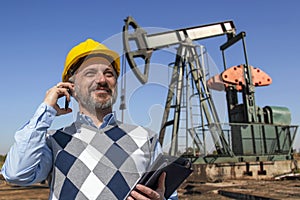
x=89, y=163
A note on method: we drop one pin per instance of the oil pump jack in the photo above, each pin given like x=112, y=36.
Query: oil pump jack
x=252, y=133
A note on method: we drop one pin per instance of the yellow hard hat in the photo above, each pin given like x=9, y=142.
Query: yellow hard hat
x=84, y=49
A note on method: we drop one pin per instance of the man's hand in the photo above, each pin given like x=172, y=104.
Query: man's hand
x=142, y=192
x=56, y=92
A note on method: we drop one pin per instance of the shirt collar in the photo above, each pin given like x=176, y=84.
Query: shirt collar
x=108, y=119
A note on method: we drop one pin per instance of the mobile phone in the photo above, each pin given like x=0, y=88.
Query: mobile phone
x=66, y=100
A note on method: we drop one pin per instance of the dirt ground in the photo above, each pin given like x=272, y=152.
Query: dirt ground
x=35, y=192
x=231, y=189
x=242, y=189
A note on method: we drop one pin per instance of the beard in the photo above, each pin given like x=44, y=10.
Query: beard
x=91, y=104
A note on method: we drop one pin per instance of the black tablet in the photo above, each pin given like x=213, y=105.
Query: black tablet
x=177, y=170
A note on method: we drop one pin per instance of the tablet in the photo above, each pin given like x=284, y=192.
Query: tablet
x=177, y=170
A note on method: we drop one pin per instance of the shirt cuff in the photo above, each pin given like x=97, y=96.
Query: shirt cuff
x=49, y=114
x=43, y=116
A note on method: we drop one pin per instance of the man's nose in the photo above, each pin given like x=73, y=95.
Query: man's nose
x=100, y=78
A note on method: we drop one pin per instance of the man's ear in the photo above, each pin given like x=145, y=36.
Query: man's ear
x=74, y=95
x=72, y=80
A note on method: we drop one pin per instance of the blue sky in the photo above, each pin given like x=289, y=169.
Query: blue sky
x=35, y=37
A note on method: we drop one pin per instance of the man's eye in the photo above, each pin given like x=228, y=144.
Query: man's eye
x=89, y=73
x=109, y=74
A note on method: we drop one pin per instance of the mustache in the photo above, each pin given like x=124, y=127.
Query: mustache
x=101, y=87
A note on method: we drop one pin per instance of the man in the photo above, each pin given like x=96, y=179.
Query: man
x=95, y=157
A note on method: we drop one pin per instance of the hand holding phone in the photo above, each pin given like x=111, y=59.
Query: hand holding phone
x=60, y=90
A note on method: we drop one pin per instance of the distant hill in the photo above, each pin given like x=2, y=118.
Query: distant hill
x=2, y=159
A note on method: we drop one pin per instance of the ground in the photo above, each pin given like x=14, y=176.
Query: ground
x=229, y=189
x=243, y=189
x=36, y=192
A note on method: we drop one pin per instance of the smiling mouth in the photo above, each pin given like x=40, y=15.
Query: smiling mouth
x=103, y=91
